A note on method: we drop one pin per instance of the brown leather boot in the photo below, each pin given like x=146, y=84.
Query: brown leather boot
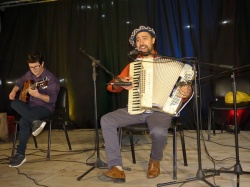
x=153, y=168
x=113, y=175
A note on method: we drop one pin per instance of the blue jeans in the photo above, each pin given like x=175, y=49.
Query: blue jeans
x=28, y=115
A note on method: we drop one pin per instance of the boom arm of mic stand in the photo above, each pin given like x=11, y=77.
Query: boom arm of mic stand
x=97, y=62
x=227, y=71
x=107, y=71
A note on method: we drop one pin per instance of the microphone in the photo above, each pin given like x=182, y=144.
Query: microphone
x=136, y=52
x=120, y=83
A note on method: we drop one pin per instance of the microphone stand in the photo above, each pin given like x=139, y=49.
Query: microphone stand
x=200, y=175
x=98, y=162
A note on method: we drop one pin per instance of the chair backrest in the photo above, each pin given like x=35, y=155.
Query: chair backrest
x=224, y=85
x=62, y=98
x=62, y=105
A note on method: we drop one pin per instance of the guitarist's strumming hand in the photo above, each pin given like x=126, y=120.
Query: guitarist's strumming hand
x=12, y=95
x=13, y=92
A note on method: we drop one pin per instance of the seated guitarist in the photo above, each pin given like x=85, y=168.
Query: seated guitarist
x=42, y=87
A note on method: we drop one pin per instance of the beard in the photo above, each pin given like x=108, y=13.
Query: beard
x=145, y=48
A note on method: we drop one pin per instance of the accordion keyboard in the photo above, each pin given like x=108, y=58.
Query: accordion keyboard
x=134, y=102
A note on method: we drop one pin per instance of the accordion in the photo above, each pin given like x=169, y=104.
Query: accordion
x=156, y=84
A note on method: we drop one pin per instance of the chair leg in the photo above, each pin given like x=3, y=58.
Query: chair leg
x=223, y=127
x=209, y=124
x=49, y=140
x=66, y=134
x=35, y=142
x=132, y=147
x=213, y=121
x=174, y=153
x=183, y=146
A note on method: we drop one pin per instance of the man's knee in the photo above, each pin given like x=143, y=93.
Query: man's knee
x=104, y=119
x=13, y=104
x=158, y=133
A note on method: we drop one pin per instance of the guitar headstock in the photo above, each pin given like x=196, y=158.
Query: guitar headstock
x=43, y=83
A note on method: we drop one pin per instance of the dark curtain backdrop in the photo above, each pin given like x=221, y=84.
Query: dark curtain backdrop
x=215, y=32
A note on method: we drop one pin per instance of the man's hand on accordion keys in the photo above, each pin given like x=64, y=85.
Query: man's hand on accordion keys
x=185, y=91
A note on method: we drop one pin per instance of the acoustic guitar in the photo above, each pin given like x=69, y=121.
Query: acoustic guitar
x=30, y=84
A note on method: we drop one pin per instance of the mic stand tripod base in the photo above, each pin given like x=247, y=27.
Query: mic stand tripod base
x=237, y=170
x=98, y=164
x=199, y=176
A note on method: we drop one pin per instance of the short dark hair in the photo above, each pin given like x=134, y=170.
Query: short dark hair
x=35, y=57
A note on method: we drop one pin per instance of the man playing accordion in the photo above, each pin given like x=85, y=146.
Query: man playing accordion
x=158, y=122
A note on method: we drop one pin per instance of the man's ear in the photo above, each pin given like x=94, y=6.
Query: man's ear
x=153, y=40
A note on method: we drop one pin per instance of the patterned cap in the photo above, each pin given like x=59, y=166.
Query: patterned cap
x=140, y=29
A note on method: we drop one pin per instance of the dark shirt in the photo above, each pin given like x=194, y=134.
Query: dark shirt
x=52, y=89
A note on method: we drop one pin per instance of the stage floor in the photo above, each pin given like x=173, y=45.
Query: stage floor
x=65, y=166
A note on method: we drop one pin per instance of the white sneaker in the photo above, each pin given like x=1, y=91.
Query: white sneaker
x=37, y=127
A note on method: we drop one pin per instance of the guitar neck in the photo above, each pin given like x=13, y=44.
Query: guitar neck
x=33, y=86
